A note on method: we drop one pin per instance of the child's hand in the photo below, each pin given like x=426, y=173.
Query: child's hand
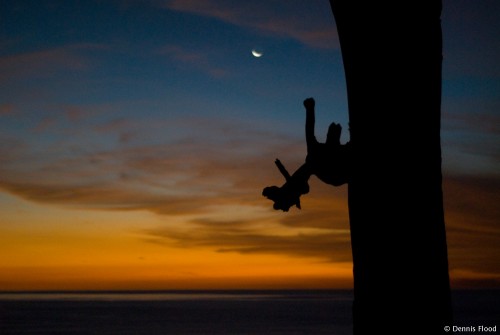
x=309, y=103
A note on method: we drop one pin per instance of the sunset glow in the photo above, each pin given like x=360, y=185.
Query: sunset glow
x=136, y=138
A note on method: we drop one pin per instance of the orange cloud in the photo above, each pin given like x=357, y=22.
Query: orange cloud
x=472, y=212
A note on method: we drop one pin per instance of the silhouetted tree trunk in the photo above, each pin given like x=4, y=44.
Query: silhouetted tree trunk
x=392, y=54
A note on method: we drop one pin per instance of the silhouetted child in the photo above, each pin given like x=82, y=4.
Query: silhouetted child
x=328, y=161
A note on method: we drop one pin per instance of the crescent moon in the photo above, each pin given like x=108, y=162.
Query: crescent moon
x=256, y=53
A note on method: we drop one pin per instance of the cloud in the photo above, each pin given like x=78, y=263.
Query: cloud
x=470, y=142
x=467, y=278
x=42, y=63
x=7, y=109
x=471, y=215
x=312, y=27
x=75, y=113
x=321, y=229
x=484, y=123
x=194, y=59
x=325, y=207
x=230, y=163
x=11, y=150
x=245, y=237
x=209, y=173
x=473, y=199
x=212, y=182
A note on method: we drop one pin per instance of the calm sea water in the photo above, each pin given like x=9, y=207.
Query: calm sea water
x=183, y=313
x=159, y=313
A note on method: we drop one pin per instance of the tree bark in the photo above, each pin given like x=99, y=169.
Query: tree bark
x=392, y=54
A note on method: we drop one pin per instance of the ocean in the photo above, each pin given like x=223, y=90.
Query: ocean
x=208, y=312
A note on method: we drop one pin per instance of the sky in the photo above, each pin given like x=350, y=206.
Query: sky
x=136, y=138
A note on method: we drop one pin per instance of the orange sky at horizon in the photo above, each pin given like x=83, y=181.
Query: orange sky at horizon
x=85, y=249
x=98, y=250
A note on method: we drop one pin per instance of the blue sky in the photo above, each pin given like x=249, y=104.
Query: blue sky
x=159, y=107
